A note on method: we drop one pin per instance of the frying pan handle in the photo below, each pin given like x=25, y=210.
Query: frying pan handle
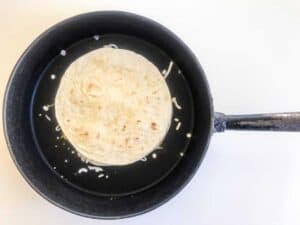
x=258, y=122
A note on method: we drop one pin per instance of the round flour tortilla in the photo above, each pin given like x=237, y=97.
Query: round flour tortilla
x=114, y=106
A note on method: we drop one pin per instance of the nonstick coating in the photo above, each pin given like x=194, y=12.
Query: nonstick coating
x=47, y=161
x=61, y=157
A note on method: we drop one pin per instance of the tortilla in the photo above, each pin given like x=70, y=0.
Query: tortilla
x=114, y=106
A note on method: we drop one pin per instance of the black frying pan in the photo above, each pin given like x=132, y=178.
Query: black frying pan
x=48, y=161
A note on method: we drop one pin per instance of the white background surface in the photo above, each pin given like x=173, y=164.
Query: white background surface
x=250, y=51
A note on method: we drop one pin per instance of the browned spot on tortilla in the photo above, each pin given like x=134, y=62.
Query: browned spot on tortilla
x=153, y=126
x=84, y=134
x=90, y=86
x=98, y=135
x=126, y=140
x=124, y=127
x=71, y=91
x=99, y=107
x=68, y=120
x=133, y=93
x=137, y=138
x=138, y=121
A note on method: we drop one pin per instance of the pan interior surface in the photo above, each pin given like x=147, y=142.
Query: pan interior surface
x=61, y=157
x=49, y=163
